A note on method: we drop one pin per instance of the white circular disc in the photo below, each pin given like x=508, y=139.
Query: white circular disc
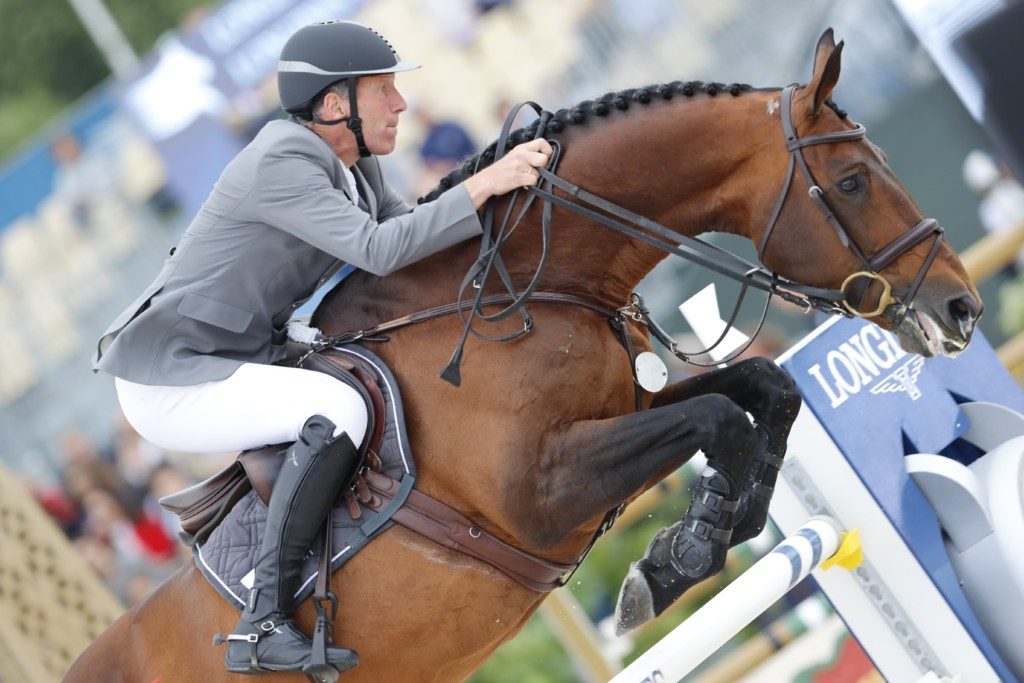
x=651, y=373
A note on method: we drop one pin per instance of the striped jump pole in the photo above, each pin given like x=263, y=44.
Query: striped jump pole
x=819, y=542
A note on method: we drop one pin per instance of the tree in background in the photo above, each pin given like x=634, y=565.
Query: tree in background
x=49, y=60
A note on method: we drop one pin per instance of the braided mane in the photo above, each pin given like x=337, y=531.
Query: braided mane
x=581, y=114
x=585, y=112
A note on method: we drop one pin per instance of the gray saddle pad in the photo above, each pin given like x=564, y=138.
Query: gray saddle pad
x=228, y=556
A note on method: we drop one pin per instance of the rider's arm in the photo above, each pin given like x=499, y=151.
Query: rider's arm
x=501, y=177
x=293, y=192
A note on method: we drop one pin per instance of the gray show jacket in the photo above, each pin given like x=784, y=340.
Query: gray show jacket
x=278, y=223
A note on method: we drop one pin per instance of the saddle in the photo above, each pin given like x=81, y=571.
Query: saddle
x=201, y=507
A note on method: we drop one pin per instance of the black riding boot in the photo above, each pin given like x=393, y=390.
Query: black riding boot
x=682, y=555
x=265, y=638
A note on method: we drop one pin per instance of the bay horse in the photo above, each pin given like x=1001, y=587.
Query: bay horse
x=542, y=439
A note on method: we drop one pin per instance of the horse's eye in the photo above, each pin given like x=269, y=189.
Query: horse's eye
x=849, y=185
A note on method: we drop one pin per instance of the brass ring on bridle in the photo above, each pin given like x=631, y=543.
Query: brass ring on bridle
x=885, y=299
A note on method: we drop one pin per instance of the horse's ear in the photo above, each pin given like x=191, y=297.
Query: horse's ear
x=826, y=69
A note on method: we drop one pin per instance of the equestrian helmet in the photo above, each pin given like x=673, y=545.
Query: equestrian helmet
x=321, y=54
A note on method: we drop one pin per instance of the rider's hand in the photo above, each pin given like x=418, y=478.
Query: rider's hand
x=518, y=168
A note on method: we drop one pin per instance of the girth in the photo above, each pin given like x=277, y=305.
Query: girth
x=444, y=525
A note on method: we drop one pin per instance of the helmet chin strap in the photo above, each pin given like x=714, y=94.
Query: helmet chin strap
x=355, y=124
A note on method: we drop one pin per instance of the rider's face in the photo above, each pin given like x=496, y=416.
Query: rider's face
x=380, y=104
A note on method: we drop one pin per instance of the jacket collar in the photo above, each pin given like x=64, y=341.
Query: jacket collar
x=339, y=176
x=364, y=187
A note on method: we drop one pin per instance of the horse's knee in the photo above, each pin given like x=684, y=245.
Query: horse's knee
x=776, y=386
x=786, y=394
x=717, y=415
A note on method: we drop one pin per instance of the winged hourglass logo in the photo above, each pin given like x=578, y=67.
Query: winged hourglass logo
x=903, y=378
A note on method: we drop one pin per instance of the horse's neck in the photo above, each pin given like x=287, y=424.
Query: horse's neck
x=682, y=164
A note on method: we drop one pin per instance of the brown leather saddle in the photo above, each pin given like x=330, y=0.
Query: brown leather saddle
x=201, y=507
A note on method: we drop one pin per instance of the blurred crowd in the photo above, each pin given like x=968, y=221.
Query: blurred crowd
x=105, y=500
x=1001, y=213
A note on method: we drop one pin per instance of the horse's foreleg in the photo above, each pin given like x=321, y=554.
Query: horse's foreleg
x=769, y=394
x=596, y=465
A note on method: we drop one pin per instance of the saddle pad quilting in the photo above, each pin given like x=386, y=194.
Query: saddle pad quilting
x=229, y=554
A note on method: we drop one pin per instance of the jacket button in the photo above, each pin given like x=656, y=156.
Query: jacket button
x=171, y=252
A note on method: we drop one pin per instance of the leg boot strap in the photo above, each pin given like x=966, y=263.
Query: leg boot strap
x=709, y=532
x=758, y=488
x=710, y=502
x=709, y=505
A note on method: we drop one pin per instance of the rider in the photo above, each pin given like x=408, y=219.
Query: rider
x=193, y=355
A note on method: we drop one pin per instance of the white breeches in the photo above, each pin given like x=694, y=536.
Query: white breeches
x=255, y=406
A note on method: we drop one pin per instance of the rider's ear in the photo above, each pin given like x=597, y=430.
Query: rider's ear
x=826, y=69
x=336, y=105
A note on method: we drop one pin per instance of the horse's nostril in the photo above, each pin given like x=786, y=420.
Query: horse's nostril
x=959, y=310
x=963, y=312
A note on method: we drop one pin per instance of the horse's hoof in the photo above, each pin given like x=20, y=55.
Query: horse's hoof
x=636, y=604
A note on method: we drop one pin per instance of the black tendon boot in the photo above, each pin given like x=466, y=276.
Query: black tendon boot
x=266, y=638
x=756, y=493
x=681, y=555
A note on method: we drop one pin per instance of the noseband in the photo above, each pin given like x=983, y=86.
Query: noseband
x=898, y=247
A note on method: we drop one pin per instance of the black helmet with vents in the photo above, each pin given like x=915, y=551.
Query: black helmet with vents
x=321, y=54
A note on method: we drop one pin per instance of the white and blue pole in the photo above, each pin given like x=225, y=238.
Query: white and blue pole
x=739, y=603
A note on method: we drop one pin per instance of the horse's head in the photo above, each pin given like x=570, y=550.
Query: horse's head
x=876, y=227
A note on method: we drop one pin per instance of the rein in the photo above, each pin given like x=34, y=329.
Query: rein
x=636, y=226
x=490, y=253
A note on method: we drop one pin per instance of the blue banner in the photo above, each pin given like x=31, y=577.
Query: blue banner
x=879, y=403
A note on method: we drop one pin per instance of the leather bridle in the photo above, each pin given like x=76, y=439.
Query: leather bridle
x=716, y=259
x=898, y=247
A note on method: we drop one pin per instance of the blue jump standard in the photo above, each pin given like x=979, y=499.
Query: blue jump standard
x=878, y=404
